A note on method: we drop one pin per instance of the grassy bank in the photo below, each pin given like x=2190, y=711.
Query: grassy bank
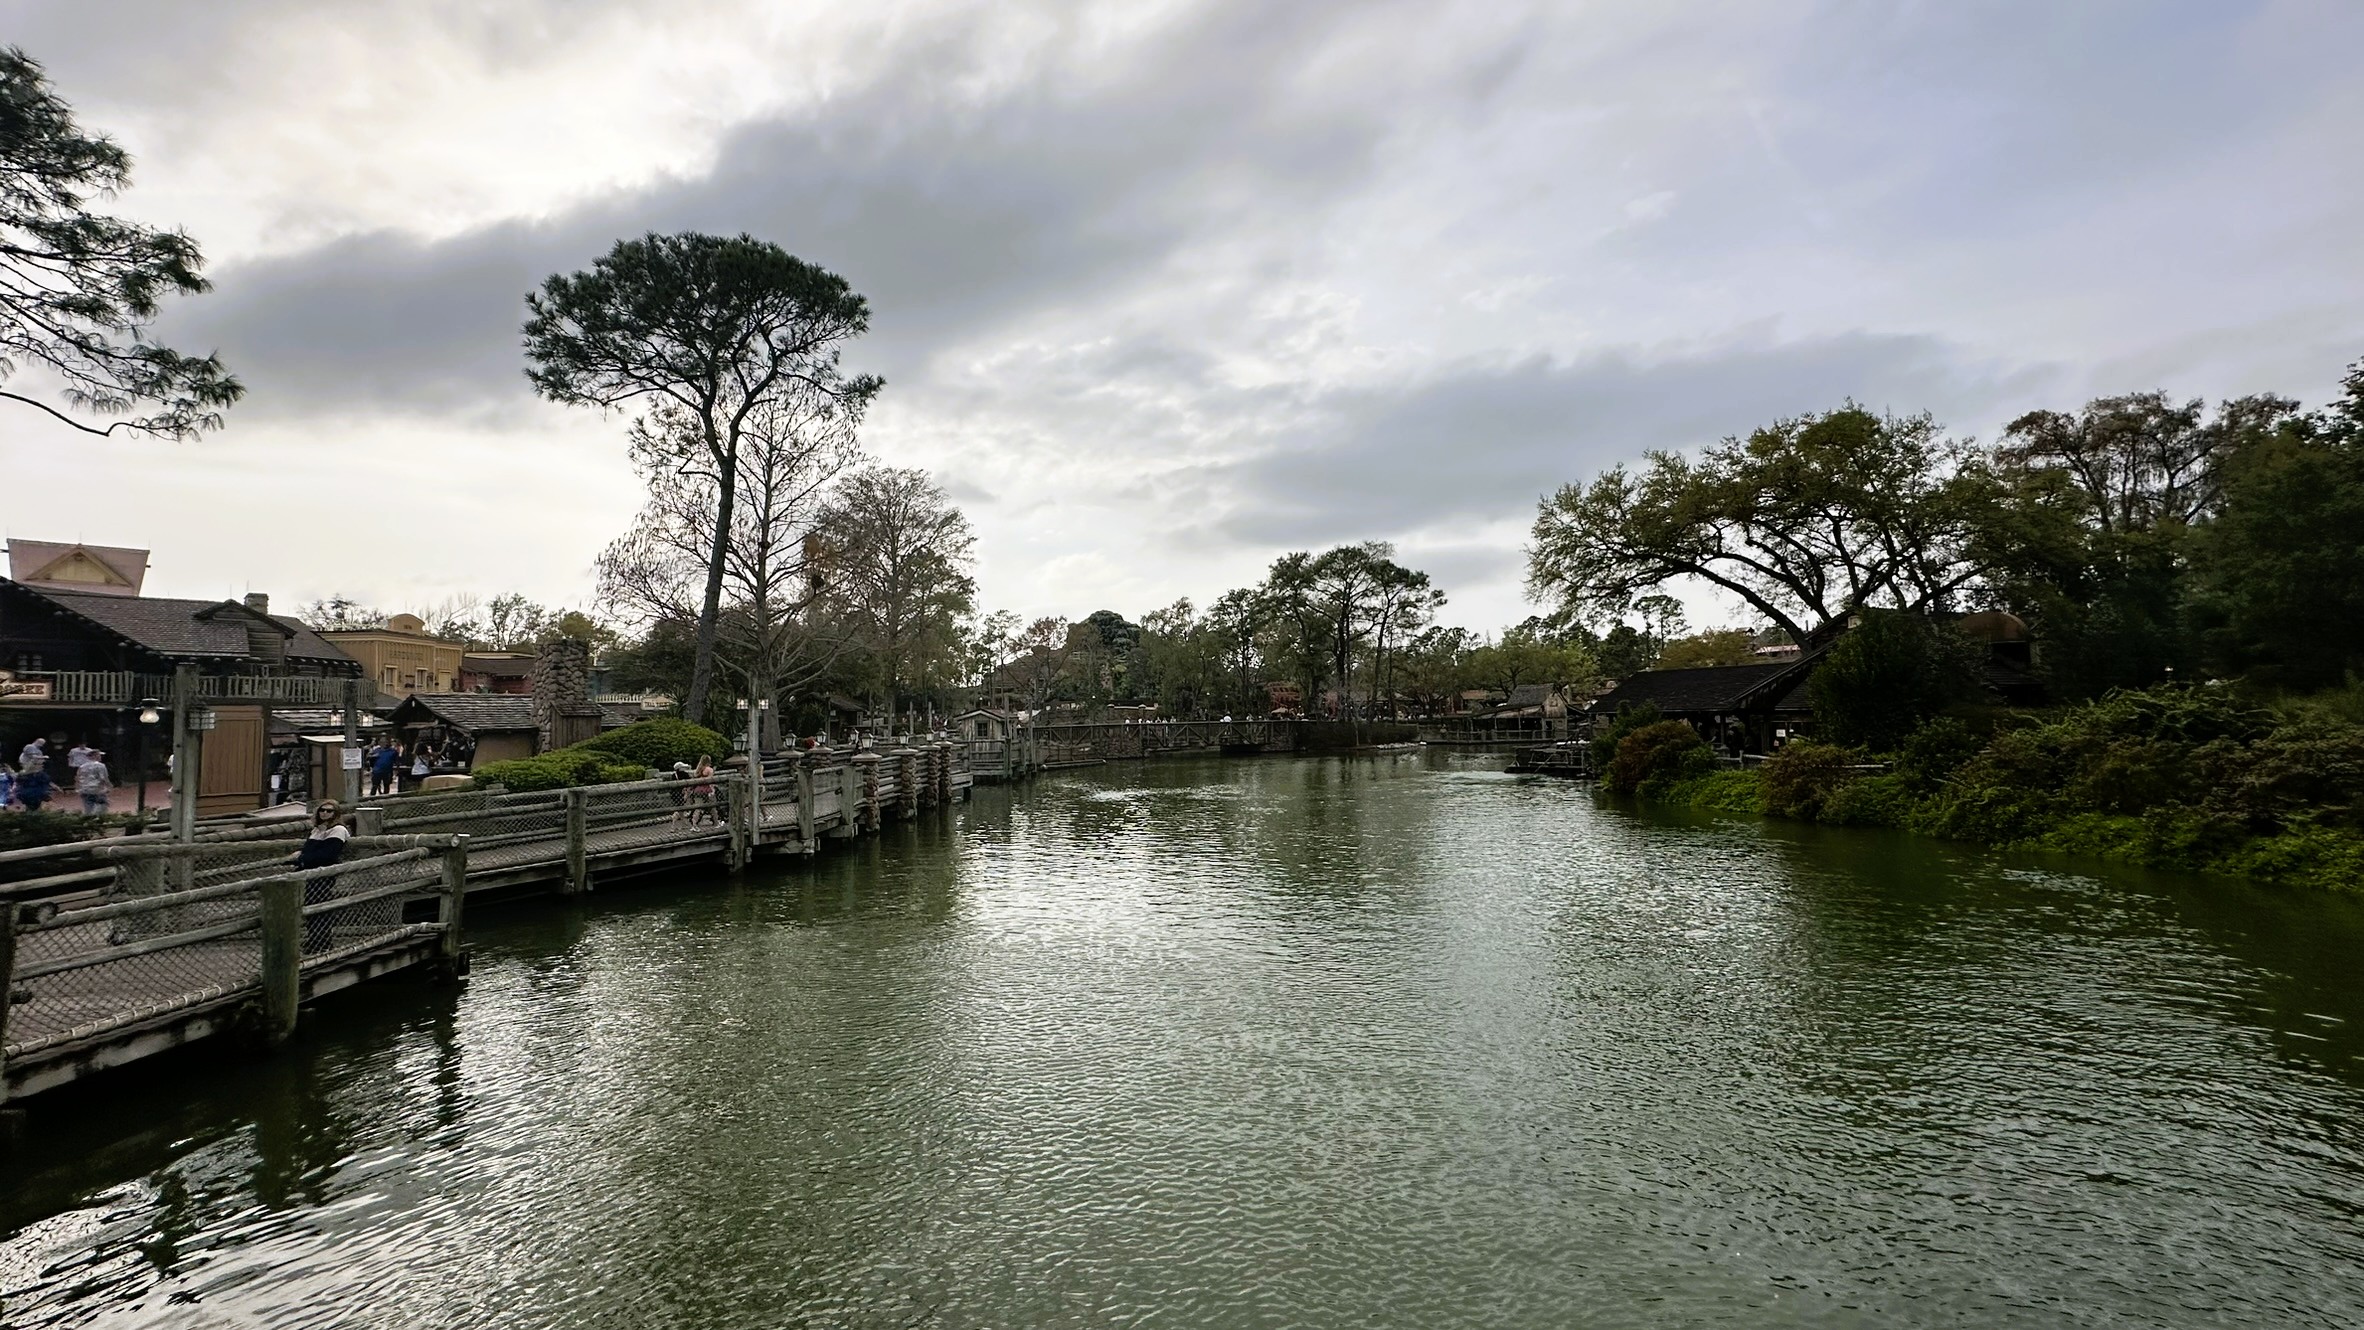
x=2201, y=779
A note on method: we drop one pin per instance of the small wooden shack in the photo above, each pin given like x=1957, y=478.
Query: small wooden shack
x=500, y=725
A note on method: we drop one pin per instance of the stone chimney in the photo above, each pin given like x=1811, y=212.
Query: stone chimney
x=563, y=710
x=258, y=602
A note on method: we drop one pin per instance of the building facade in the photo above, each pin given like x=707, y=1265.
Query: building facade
x=402, y=658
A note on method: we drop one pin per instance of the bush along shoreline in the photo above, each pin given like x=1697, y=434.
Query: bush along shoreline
x=2197, y=778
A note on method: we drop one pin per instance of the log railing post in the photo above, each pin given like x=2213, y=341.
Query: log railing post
x=755, y=795
x=283, y=957
x=578, y=858
x=804, y=803
x=734, y=797
x=8, y=908
x=451, y=952
x=906, y=782
x=865, y=769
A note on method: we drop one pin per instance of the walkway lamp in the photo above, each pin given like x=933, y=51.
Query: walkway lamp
x=149, y=715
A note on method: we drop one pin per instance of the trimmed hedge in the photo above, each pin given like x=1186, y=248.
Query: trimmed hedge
x=660, y=742
x=20, y=830
x=559, y=770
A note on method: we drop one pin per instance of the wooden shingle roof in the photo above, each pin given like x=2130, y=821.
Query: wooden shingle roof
x=188, y=629
x=469, y=713
x=1709, y=691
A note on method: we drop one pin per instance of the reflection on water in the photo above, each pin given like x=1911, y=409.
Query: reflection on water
x=1320, y=1042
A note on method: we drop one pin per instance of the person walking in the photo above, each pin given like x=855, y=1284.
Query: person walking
x=701, y=792
x=33, y=786
x=381, y=768
x=93, y=781
x=36, y=754
x=323, y=847
x=7, y=789
x=422, y=763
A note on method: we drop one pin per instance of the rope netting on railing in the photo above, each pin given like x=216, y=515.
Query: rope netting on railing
x=654, y=811
x=183, y=927
x=526, y=826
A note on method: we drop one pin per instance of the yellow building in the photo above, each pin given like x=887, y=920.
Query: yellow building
x=401, y=658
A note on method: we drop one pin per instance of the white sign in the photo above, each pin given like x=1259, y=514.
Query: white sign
x=352, y=759
x=25, y=690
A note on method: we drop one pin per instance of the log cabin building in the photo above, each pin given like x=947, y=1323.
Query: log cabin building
x=83, y=650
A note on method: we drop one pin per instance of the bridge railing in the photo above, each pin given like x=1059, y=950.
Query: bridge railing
x=177, y=927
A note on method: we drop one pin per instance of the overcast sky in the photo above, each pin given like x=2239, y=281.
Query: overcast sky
x=1161, y=290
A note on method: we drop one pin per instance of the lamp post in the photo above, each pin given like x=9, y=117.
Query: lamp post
x=149, y=715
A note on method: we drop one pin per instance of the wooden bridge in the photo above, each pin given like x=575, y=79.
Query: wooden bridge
x=1149, y=738
x=114, y=950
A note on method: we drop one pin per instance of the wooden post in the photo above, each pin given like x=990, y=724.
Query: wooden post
x=452, y=953
x=753, y=793
x=370, y=821
x=804, y=803
x=283, y=957
x=578, y=858
x=735, y=798
x=7, y=983
x=187, y=771
x=352, y=742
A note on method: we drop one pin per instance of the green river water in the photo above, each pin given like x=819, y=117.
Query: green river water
x=1400, y=1041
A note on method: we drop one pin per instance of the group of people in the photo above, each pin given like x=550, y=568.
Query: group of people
x=392, y=763
x=28, y=786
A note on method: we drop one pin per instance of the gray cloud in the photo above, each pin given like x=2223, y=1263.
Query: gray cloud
x=1158, y=294
x=948, y=216
x=1480, y=442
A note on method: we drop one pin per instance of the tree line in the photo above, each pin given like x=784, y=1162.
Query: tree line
x=2141, y=538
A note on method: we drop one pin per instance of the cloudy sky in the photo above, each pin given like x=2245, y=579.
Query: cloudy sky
x=1161, y=290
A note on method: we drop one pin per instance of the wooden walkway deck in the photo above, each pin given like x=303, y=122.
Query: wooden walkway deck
x=112, y=951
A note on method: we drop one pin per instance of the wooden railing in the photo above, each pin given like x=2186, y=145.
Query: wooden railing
x=123, y=688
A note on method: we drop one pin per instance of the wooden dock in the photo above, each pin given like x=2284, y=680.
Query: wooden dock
x=115, y=950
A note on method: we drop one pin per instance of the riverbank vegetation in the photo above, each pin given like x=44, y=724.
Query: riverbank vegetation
x=2193, y=584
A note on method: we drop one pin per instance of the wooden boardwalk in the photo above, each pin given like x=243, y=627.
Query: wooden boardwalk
x=112, y=951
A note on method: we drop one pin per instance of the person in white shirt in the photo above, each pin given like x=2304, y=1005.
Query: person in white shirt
x=77, y=755
x=92, y=780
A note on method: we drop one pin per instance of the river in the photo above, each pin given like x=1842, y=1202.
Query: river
x=1287, y=1042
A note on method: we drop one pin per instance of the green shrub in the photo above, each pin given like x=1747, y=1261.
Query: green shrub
x=1728, y=789
x=1630, y=717
x=1869, y=801
x=1659, y=749
x=1676, y=781
x=1934, y=752
x=1801, y=775
x=559, y=770
x=29, y=831
x=661, y=742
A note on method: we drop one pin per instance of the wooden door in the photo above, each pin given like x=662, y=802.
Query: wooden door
x=233, y=758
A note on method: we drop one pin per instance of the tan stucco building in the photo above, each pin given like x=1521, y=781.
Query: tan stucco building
x=401, y=658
